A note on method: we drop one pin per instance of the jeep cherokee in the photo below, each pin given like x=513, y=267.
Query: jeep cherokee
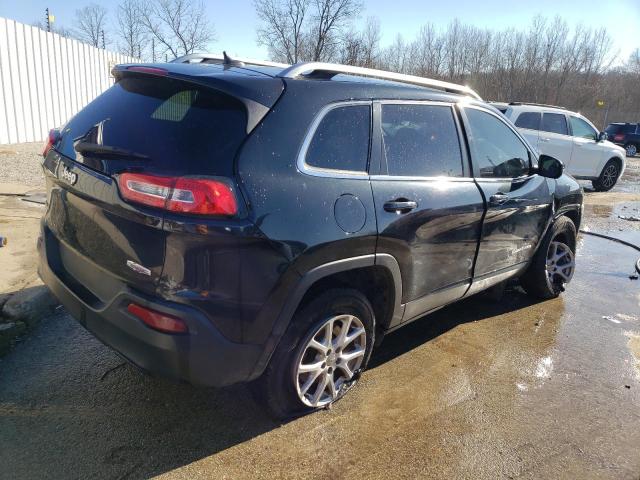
x=221, y=221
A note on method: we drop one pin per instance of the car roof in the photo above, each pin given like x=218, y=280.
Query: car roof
x=216, y=72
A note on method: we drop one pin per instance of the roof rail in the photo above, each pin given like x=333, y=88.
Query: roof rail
x=328, y=70
x=224, y=58
x=537, y=105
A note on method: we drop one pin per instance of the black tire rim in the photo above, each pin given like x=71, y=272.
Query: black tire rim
x=609, y=175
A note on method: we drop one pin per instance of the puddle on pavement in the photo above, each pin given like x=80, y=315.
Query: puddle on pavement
x=600, y=211
x=634, y=347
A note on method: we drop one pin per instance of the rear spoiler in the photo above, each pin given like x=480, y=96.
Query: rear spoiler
x=257, y=101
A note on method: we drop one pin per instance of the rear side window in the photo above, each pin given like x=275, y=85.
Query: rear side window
x=554, y=123
x=582, y=129
x=421, y=140
x=530, y=120
x=613, y=129
x=341, y=141
x=171, y=126
x=495, y=148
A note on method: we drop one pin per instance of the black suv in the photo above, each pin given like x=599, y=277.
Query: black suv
x=226, y=221
x=626, y=135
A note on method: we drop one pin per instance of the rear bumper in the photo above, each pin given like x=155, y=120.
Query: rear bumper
x=201, y=357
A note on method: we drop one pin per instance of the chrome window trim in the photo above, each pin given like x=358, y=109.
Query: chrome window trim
x=301, y=161
x=407, y=178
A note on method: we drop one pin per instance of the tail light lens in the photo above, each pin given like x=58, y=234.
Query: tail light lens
x=157, y=320
x=201, y=196
x=52, y=139
x=618, y=137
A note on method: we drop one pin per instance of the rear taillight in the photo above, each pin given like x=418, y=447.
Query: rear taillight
x=52, y=139
x=158, y=320
x=618, y=137
x=201, y=196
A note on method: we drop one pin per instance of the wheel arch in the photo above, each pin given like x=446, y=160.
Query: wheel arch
x=371, y=274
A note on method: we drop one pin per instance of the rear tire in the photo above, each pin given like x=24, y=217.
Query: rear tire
x=309, y=369
x=631, y=149
x=608, y=177
x=553, y=264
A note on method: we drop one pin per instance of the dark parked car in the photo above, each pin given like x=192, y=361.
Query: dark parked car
x=626, y=135
x=227, y=221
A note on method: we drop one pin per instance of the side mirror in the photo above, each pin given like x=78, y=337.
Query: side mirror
x=549, y=167
x=602, y=136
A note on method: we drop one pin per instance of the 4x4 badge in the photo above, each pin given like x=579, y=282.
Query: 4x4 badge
x=67, y=175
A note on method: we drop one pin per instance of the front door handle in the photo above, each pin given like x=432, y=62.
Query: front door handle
x=400, y=206
x=498, y=199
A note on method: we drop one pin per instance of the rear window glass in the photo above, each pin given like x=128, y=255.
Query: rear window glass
x=168, y=125
x=530, y=120
x=341, y=141
x=554, y=123
x=421, y=140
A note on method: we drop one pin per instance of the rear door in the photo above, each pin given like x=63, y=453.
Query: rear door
x=143, y=124
x=554, y=139
x=518, y=204
x=428, y=207
x=587, y=154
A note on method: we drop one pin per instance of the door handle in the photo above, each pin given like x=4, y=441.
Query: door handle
x=498, y=199
x=400, y=206
x=544, y=139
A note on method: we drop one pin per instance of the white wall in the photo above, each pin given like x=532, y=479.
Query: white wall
x=45, y=79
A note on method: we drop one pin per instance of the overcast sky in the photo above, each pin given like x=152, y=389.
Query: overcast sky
x=235, y=20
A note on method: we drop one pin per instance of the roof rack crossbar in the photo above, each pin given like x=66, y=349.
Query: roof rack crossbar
x=537, y=105
x=221, y=58
x=309, y=68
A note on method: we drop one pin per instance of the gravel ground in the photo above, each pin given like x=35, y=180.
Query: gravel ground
x=20, y=163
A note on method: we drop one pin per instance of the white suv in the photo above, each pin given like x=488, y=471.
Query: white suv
x=571, y=138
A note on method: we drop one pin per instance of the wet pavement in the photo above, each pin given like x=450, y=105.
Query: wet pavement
x=480, y=389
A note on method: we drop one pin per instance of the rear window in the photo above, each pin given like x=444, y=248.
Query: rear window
x=166, y=125
x=554, y=123
x=530, y=120
x=421, y=140
x=341, y=141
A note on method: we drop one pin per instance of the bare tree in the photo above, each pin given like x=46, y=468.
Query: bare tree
x=90, y=23
x=282, y=28
x=295, y=30
x=180, y=26
x=132, y=36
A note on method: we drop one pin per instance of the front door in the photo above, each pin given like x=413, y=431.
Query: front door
x=518, y=204
x=428, y=208
x=587, y=152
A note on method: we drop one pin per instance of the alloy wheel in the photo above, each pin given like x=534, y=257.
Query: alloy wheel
x=609, y=176
x=330, y=359
x=631, y=150
x=560, y=264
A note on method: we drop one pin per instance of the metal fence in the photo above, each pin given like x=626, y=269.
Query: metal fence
x=45, y=79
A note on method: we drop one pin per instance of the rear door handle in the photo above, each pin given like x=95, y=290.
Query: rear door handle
x=400, y=206
x=544, y=139
x=498, y=199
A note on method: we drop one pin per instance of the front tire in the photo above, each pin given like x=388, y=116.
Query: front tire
x=608, y=177
x=553, y=264
x=321, y=356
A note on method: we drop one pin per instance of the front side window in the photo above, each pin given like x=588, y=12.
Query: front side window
x=582, y=129
x=530, y=120
x=341, y=141
x=421, y=140
x=554, y=123
x=495, y=148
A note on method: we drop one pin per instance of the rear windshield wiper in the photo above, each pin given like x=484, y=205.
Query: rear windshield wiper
x=105, y=150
